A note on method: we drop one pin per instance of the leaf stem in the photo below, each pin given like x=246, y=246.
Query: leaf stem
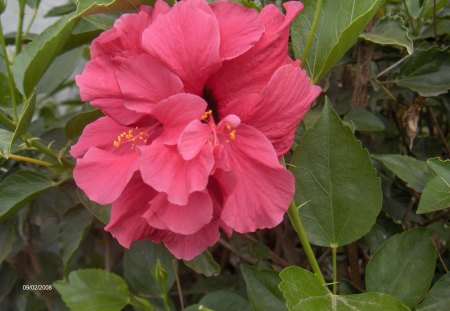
x=296, y=221
x=29, y=160
x=27, y=30
x=45, y=150
x=411, y=19
x=12, y=87
x=334, y=254
x=312, y=32
x=20, y=26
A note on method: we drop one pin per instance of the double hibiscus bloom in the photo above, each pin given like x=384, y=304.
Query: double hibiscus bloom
x=200, y=101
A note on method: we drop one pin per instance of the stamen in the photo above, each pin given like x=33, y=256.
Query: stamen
x=131, y=136
x=206, y=115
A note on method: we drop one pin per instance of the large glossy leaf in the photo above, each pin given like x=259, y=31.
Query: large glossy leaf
x=438, y=298
x=412, y=171
x=92, y=290
x=334, y=174
x=442, y=168
x=262, y=289
x=435, y=196
x=427, y=72
x=5, y=142
x=303, y=292
x=364, y=120
x=33, y=61
x=25, y=117
x=339, y=25
x=87, y=7
x=390, y=30
x=101, y=212
x=72, y=229
x=403, y=266
x=20, y=188
x=139, y=265
x=204, y=264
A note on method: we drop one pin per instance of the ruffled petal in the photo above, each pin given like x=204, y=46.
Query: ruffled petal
x=101, y=133
x=98, y=80
x=187, y=41
x=193, y=139
x=240, y=28
x=258, y=189
x=115, y=109
x=164, y=169
x=176, y=112
x=103, y=175
x=124, y=39
x=187, y=247
x=145, y=82
x=280, y=107
x=186, y=219
x=126, y=223
x=251, y=71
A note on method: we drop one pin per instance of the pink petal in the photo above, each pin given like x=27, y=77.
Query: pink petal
x=186, y=219
x=126, y=223
x=115, y=109
x=98, y=80
x=164, y=169
x=193, y=139
x=145, y=82
x=187, y=247
x=282, y=104
x=101, y=133
x=124, y=39
x=176, y=112
x=187, y=41
x=103, y=175
x=258, y=189
x=251, y=71
x=239, y=28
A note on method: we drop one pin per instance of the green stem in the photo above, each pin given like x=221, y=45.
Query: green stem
x=312, y=32
x=296, y=221
x=165, y=296
x=45, y=150
x=12, y=87
x=7, y=121
x=411, y=19
x=333, y=251
x=20, y=26
x=29, y=160
x=35, y=11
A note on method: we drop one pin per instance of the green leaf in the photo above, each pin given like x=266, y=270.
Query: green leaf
x=364, y=120
x=412, y=171
x=435, y=196
x=403, y=266
x=426, y=72
x=25, y=117
x=334, y=174
x=101, y=212
x=139, y=264
x=204, y=264
x=59, y=70
x=94, y=289
x=437, y=298
x=303, y=292
x=18, y=189
x=262, y=289
x=442, y=168
x=74, y=127
x=390, y=30
x=222, y=300
x=72, y=229
x=5, y=142
x=8, y=238
x=88, y=7
x=339, y=25
x=33, y=61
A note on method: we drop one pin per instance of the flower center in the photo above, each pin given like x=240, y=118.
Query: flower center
x=132, y=136
x=212, y=104
x=223, y=132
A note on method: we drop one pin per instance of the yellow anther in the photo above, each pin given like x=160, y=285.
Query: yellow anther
x=130, y=137
x=206, y=114
x=233, y=134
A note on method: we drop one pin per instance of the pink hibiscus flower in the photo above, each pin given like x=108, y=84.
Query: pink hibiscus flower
x=200, y=100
